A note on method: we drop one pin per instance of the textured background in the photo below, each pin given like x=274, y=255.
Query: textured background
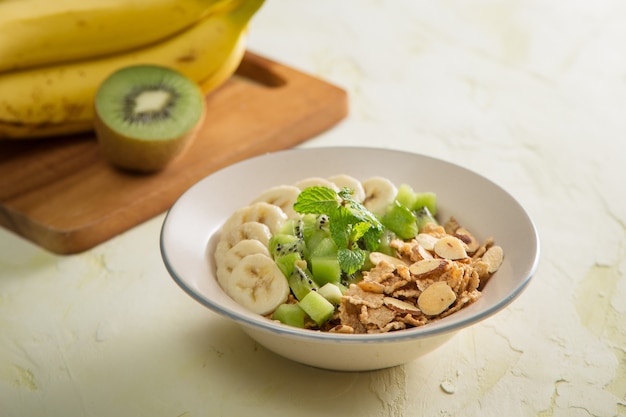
x=529, y=93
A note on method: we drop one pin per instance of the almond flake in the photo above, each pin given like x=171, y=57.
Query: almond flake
x=450, y=247
x=436, y=298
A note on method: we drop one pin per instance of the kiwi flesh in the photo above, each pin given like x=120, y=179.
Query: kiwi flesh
x=146, y=116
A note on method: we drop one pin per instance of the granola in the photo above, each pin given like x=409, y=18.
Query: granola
x=421, y=284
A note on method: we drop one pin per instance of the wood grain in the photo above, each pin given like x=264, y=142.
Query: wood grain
x=62, y=195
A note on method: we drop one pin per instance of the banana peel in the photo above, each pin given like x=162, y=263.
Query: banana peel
x=43, y=32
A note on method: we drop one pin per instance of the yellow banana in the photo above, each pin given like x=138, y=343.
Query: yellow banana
x=44, y=32
x=59, y=99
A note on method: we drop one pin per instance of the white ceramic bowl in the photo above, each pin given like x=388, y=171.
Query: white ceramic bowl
x=189, y=232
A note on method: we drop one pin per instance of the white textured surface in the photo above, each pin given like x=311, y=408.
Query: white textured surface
x=529, y=93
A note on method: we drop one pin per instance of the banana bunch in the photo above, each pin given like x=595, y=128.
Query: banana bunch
x=55, y=54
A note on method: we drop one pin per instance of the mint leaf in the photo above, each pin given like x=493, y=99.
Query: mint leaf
x=359, y=230
x=316, y=200
x=372, y=237
x=347, y=230
x=359, y=211
x=351, y=260
x=346, y=194
x=353, y=227
x=340, y=226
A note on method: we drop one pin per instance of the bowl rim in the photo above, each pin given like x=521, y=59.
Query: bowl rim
x=259, y=322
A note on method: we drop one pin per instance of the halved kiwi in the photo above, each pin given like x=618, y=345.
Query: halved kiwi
x=146, y=115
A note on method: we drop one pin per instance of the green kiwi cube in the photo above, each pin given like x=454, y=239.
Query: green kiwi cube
x=292, y=227
x=406, y=196
x=426, y=199
x=341, y=285
x=290, y=314
x=287, y=228
x=286, y=262
x=368, y=264
x=423, y=216
x=326, y=246
x=348, y=280
x=385, y=243
x=319, y=309
x=325, y=269
x=401, y=221
x=282, y=244
x=331, y=292
x=309, y=225
x=300, y=281
x=315, y=238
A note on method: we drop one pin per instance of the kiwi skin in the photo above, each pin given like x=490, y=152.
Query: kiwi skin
x=139, y=155
x=130, y=151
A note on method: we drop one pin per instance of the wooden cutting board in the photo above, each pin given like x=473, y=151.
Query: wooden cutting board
x=62, y=195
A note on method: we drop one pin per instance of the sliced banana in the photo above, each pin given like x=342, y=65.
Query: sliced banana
x=221, y=272
x=223, y=275
x=283, y=196
x=242, y=249
x=257, y=284
x=227, y=258
x=248, y=230
x=380, y=192
x=315, y=181
x=344, y=180
x=270, y=215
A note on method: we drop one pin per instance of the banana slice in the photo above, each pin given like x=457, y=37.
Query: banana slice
x=248, y=230
x=344, y=180
x=220, y=251
x=316, y=181
x=379, y=194
x=283, y=196
x=227, y=259
x=257, y=284
x=242, y=249
x=270, y=215
x=221, y=272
